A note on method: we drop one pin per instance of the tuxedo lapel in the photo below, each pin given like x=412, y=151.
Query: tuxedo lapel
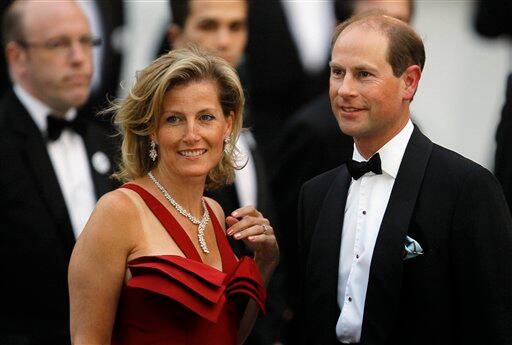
x=100, y=162
x=323, y=260
x=383, y=293
x=41, y=168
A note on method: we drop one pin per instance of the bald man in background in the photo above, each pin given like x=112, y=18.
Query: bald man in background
x=55, y=165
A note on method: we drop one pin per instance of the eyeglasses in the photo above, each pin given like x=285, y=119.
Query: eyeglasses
x=63, y=45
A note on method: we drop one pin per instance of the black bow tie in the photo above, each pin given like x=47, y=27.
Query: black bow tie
x=358, y=169
x=55, y=126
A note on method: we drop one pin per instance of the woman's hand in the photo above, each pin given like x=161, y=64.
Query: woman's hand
x=249, y=225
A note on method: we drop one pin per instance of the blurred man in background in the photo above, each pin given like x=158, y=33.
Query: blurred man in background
x=55, y=165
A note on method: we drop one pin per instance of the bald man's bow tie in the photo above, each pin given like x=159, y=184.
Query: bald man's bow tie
x=55, y=126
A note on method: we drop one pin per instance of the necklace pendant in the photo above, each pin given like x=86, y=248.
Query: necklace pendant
x=200, y=223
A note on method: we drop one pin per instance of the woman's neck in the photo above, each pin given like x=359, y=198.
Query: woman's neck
x=186, y=191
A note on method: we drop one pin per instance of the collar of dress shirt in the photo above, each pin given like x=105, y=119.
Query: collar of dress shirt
x=37, y=109
x=392, y=152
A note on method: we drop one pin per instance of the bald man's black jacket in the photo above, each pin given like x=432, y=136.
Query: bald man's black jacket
x=36, y=237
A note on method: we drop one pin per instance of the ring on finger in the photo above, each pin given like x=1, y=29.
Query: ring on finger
x=266, y=228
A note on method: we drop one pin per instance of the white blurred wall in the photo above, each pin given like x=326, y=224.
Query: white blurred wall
x=462, y=90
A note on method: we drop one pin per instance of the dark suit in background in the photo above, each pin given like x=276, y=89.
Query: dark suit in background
x=111, y=15
x=494, y=19
x=312, y=144
x=458, y=292
x=36, y=237
x=278, y=83
x=266, y=329
x=503, y=157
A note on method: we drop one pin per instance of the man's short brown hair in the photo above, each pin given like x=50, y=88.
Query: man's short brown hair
x=405, y=46
x=12, y=24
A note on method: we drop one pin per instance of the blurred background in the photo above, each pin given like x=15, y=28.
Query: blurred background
x=462, y=90
x=460, y=95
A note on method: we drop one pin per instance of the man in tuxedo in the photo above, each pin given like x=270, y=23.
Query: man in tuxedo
x=221, y=28
x=409, y=242
x=312, y=128
x=54, y=166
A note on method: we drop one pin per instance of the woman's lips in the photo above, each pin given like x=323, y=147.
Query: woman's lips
x=192, y=153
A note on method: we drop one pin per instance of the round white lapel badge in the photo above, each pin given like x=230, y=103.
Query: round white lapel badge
x=100, y=162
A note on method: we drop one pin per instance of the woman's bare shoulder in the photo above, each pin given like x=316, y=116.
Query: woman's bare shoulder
x=116, y=215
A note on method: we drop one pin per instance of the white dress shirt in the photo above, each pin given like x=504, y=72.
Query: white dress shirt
x=311, y=24
x=70, y=162
x=366, y=203
x=246, y=182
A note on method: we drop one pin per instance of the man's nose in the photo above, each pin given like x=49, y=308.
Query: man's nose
x=347, y=87
x=78, y=53
x=223, y=38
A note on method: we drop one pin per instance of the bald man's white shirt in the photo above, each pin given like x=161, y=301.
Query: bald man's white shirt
x=70, y=162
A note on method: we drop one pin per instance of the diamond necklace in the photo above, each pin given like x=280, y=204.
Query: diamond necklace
x=201, y=223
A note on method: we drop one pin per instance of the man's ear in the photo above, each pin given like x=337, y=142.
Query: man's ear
x=16, y=58
x=411, y=78
x=175, y=36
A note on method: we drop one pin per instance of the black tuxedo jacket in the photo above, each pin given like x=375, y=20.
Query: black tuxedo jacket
x=312, y=144
x=36, y=237
x=265, y=330
x=111, y=15
x=503, y=157
x=458, y=292
x=278, y=83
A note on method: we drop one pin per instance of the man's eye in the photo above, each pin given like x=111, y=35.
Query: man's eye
x=57, y=44
x=208, y=25
x=237, y=26
x=207, y=117
x=364, y=74
x=337, y=72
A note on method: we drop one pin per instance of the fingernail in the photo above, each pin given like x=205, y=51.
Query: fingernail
x=238, y=235
x=234, y=214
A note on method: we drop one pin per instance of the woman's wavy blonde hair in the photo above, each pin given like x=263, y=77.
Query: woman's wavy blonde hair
x=137, y=115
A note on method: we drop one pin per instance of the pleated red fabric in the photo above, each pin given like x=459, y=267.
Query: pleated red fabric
x=174, y=300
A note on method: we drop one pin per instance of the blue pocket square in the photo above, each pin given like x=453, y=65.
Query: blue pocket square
x=411, y=248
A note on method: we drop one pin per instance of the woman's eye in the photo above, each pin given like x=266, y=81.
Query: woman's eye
x=173, y=119
x=207, y=117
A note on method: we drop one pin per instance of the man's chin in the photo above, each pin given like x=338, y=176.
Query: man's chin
x=76, y=100
x=353, y=130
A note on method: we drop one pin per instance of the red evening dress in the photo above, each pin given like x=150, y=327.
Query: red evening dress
x=173, y=300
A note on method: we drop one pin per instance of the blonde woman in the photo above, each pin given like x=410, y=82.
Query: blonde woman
x=153, y=265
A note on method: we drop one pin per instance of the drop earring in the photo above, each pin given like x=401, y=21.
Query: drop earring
x=153, y=154
x=227, y=140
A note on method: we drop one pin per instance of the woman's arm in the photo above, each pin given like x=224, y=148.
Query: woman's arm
x=98, y=266
x=249, y=225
